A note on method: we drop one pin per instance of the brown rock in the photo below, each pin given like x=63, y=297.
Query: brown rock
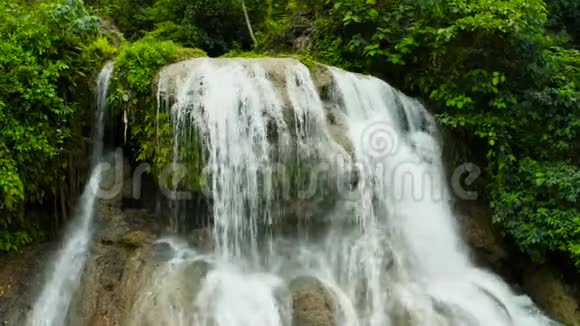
x=311, y=303
x=486, y=240
x=551, y=293
x=136, y=239
x=102, y=321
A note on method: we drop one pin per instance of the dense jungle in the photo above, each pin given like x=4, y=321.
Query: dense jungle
x=499, y=81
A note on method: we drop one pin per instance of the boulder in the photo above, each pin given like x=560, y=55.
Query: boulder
x=312, y=304
x=102, y=321
x=490, y=249
x=136, y=239
x=116, y=266
x=551, y=293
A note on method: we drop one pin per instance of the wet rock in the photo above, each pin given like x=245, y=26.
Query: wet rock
x=297, y=37
x=136, y=239
x=559, y=299
x=108, y=28
x=167, y=291
x=403, y=317
x=552, y=294
x=109, y=285
x=102, y=321
x=193, y=275
x=21, y=276
x=115, y=268
x=312, y=304
x=340, y=136
x=202, y=238
x=323, y=81
x=490, y=249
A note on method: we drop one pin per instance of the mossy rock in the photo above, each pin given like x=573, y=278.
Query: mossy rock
x=135, y=239
x=312, y=304
x=189, y=53
x=552, y=294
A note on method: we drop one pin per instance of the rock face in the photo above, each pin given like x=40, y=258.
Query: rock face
x=490, y=249
x=297, y=37
x=20, y=278
x=117, y=263
x=553, y=295
x=312, y=304
x=120, y=248
x=123, y=253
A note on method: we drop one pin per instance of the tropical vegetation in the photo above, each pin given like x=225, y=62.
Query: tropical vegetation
x=503, y=76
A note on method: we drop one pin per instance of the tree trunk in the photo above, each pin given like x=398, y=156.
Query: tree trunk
x=248, y=23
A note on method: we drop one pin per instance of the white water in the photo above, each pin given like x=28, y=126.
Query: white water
x=388, y=253
x=66, y=267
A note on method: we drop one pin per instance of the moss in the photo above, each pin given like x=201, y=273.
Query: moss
x=103, y=48
x=138, y=63
x=190, y=53
x=306, y=60
x=135, y=239
x=245, y=54
x=150, y=129
x=151, y=133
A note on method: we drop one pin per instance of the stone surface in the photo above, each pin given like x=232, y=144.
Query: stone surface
x=490, y=249
x=557, y=297
x=116, y=266
x=312, y=305
x=136, y=239
x=552, y=293
x=102, y=321
x=20, y=279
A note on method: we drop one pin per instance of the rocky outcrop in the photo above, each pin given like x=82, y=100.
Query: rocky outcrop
x=312, y=305
x=489, y=247
x=20, y=277
x=124, y=256
x=118, y=259
x=552, y=293
x=298, y=35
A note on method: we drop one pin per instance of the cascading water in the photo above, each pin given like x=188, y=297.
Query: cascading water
x=65, y=271
x=360, y=164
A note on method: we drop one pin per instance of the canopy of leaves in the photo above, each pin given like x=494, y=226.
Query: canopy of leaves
x=131, y=90
x=504, y=75
x=47, y=51
x=217, y=26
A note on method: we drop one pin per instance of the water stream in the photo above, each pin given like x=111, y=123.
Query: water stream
x=65, y=269
x=342, y=183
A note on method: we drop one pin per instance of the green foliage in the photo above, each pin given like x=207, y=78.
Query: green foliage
x=538, y=205
x=564, y=18
x=217, y=26
x=47, y=51
x=503, y=75
x=135, y=69
x=138, y=63
x=495, y=76
x=127, y=15
x=244, y=54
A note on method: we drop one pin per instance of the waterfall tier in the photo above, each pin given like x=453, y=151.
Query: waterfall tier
x=351, y=165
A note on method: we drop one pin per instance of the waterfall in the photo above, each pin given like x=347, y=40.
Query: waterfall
x=66, y=267
x=353, y=164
